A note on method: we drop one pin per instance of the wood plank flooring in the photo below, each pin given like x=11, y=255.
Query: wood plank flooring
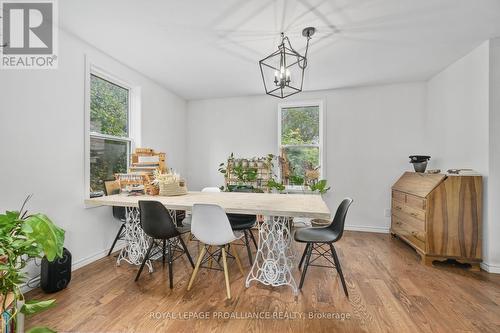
x=390, y=291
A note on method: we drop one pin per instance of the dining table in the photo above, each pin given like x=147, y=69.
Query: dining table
x=275, y=258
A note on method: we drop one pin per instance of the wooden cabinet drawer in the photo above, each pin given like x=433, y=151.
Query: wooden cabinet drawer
x=406, y=230
x=415, y=202
x=410, y=221
x=413, y=212
x=397, y=205
x=399, y=196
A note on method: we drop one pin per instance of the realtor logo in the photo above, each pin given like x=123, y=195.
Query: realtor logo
x=29, y=34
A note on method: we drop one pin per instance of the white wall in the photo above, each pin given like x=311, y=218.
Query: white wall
x=463, y=124
x=493, y=224
x=370, y=132
x=42, y=142
x=457, y=113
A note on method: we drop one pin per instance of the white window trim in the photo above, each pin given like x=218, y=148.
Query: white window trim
x=134, y=116
x=322, y=157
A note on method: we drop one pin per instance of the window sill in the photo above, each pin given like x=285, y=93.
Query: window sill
x=294, y=189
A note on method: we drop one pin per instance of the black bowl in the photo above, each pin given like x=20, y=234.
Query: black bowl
x=419, y=158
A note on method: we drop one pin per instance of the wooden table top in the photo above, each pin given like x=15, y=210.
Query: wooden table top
x=293, y=205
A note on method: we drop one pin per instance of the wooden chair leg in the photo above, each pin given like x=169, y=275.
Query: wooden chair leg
x=196, y=267
x=339, y=269
x=226, y=273
x=304, y=271
x=237, y=258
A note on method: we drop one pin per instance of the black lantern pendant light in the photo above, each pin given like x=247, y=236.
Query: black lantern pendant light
x=283, y=70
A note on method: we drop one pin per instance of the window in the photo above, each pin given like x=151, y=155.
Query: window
x=300, y=142
x=110, y=141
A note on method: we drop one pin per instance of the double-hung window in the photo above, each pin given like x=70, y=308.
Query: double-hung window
x=301, y=142
x=109, y=129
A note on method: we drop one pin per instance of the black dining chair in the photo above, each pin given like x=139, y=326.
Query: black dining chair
x=113, y=187
x=244, y=223
x=315, y=238
x=158, y=224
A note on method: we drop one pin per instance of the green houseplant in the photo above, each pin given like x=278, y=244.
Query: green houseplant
x=23, y=237
x=272, y=184
x=321, y=186
x=244, y=172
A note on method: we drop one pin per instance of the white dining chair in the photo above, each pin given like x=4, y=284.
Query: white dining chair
x=211, y=226
x=211, y=189
x=186, y=222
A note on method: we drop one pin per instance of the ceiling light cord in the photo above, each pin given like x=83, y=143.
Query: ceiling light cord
x=305, y=54
x=285, y=38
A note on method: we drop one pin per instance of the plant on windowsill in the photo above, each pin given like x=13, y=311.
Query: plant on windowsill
x=296, y=180
x=24, y=237
x=321, y=187
x=275, y=186
x=240, y=173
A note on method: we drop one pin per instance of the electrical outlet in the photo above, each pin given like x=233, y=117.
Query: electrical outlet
x=387, y=212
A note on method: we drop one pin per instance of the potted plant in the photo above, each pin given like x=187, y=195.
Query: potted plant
x=321, y=187
x=23, y=237
x=274, y=186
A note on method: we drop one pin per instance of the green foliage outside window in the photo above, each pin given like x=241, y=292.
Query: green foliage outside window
x=300, y=138
x=109, y=104
x=107, y=157
x=300, y=125
x=108, y=108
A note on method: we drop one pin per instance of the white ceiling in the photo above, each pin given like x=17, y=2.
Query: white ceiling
x=210, y=48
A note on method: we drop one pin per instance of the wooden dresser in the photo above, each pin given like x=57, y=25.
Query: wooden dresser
x=440, y=216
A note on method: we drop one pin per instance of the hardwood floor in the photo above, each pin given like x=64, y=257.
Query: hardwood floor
x=390, y=291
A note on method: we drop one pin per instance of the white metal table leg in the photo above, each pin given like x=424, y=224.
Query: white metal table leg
x=137, y=241
x=274, y=258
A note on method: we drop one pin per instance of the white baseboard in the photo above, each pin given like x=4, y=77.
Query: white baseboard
x=90, y=259
x=490, y=268
x=364, y=228
x=75, y=265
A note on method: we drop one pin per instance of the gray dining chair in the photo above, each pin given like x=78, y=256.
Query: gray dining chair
x=315, y=237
